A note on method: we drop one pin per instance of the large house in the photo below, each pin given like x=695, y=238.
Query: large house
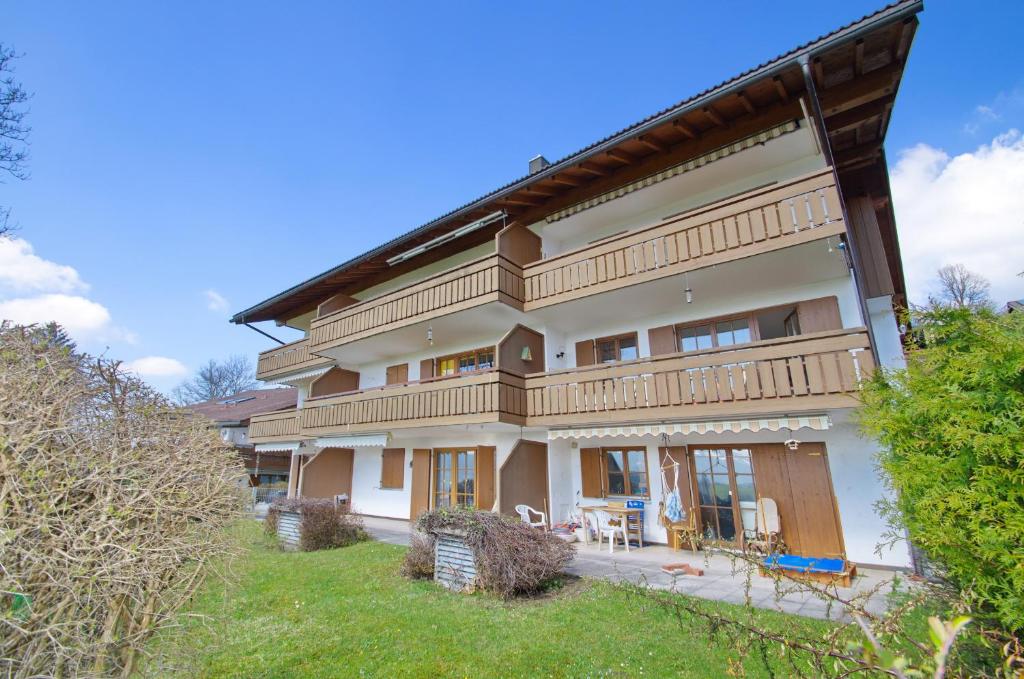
x=708, y=286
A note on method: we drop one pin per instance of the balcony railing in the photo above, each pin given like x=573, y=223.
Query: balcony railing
x=282, y=425
x=463, y=399
x=289, y=358
x=814, y=372
x=759, y=221
x=489, y=279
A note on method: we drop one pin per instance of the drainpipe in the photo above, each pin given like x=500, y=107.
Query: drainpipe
x=826, y=148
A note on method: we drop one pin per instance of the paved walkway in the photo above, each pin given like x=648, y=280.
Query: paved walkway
x=720, y=581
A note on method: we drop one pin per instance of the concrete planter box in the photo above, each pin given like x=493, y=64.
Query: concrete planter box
x=454, y=562
x=288, y=529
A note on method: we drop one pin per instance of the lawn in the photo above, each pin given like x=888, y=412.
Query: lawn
x=348, y=612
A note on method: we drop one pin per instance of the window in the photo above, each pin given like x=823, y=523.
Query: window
x=736, y=331
x=392, y=468
x=722, y=333
x=626, y=469
x=471, y=361
x=620, y=348
x=454, y=478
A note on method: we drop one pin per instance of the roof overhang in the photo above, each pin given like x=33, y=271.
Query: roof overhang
x=856, y=69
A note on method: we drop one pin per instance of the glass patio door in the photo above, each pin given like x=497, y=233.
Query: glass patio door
x=726, y=498
x=454, y=478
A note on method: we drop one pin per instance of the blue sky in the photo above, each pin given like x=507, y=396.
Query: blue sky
x=186, y=147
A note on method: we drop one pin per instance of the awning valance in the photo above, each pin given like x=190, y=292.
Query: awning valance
x=355, y=441
x=675, y=170
x=298, y=377
x=278, y=447
x=815, y=422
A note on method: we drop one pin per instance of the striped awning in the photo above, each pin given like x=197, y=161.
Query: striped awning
x=676, y=170
x=278, y=447
x=355, y=441
x=815, y=422
x=298, y=377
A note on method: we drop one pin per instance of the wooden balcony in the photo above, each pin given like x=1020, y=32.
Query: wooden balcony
x=489, y=279
x=806, y=373
x=282, y=425
x=289, y=358
x=467, y=399
x=760, y=221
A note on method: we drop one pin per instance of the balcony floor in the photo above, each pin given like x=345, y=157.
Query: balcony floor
x=719, y=582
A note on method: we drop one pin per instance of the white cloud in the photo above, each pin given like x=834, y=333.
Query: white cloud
x=21, y=270
x=37, y=290
x=156, y=366
x=967, y=209
x=80, y=316
x=215, y=301
x=1006, y=105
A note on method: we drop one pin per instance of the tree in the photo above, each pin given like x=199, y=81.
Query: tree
x=13, y=129
x=951, y=426
x=962, y=288
x=217, y=379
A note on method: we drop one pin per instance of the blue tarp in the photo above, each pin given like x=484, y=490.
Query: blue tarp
x=805, y=564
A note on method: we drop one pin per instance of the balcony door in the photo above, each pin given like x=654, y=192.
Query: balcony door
x=454, y=478
x=726, y=495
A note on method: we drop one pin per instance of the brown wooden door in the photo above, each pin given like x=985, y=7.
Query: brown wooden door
x=524, y=478
x=801, y=485
x=420, y=494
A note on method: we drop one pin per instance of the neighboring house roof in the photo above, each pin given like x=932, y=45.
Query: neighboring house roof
x=322, y=285
x=1016, y=305
x=243, y=405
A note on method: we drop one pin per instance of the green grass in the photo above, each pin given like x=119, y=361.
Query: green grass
x=348, y=612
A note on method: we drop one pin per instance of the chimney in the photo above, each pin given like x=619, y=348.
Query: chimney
x=538, y=163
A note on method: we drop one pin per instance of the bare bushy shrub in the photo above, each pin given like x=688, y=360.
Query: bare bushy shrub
x=419, y=559
x=323, y=524
x=511, y=557
x=113, y=506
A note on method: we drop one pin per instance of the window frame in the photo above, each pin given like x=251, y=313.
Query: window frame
x=626, y=471
x=453, y=472
x=457, y=357
x=712, y=323
x=617, y=339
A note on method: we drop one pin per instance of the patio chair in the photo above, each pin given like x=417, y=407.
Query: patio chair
x=685, y=531
x=767, y=538
x=609, y=528
x=524, y=512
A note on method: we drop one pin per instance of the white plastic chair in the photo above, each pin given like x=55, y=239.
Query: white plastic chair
x=606, y=528
x=524, y=512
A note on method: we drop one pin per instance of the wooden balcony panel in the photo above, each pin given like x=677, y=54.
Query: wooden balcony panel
x=809, y=373
x=282, y=425
x=489, y=279
x=471, y=399
x=289, y=358
x=767, y=219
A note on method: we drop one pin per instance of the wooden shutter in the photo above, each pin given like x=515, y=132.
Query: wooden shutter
x=426, y=368
x=392, y=468
x=819, y=314
x=585, y=353
x=397, y=374
x=485, y=478
x=663, y=340
x=420, y=495
x=591, y=471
